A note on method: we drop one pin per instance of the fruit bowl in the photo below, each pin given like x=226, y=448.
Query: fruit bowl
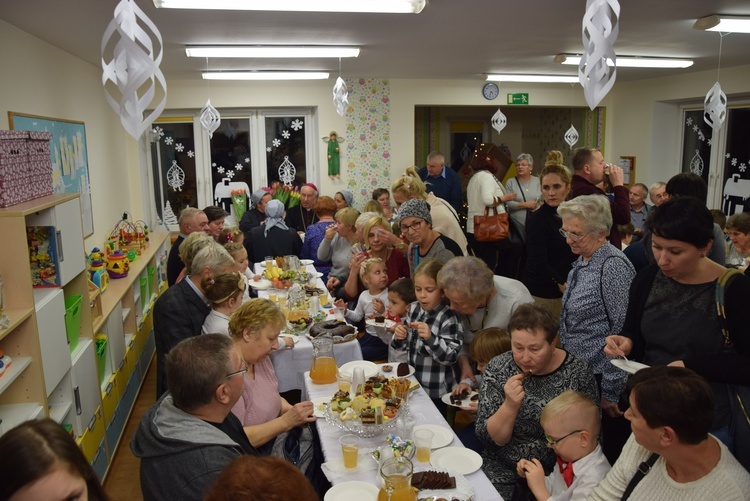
x=300, y=325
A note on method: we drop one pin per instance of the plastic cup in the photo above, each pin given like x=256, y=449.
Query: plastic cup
x=423, y=442
x=273, y=295
x=405, y=427
x=344, y=380
x=350, y=450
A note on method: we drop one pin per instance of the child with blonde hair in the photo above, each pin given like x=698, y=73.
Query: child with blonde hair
x=239, y=254
x=230, y=236
x=571, y=423
x=225, y=293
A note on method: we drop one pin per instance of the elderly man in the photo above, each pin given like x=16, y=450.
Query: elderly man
x=589, y=167
x=671, y=412
x=639, y=209
x=442, y=181
x=658, y=193
x=179, y=313
x=190, y=435
x=191, y=219
x=255, y=214
x=300, y=217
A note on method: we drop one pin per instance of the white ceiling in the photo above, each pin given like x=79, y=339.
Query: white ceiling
x=450, y=39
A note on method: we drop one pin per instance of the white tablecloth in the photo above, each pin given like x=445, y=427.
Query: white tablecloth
x=421, y=409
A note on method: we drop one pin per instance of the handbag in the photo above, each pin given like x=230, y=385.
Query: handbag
x=491, y=227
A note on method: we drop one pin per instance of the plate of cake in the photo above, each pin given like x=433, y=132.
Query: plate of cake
x=382, y=322
x=438, y=483
x=463, y=400
x=396, y=369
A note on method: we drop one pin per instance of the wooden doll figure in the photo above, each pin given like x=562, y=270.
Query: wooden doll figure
x=333, y=155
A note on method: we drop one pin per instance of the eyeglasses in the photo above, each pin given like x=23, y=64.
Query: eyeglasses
x=241, y=371
x=554, y=441
x=574, y=237
x=413, y=226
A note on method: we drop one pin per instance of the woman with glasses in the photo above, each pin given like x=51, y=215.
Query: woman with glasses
x=548, y=256
x=516, y=386
x=425, y=242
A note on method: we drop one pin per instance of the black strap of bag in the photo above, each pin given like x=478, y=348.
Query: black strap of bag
x=643, y=469
x=520, y=188
x=721, y=285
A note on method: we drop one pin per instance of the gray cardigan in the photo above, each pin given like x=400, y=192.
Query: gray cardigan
x=339, y=252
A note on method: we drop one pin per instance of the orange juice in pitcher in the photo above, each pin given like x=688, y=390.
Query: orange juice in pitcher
x=323, y=369
x=396, y=473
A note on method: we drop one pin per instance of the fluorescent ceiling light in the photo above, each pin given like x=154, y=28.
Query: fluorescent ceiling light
x=631, y=61
x=279, y=51
x=534, y=78
x=725, y=24
x=265, y=75
x=379, y=6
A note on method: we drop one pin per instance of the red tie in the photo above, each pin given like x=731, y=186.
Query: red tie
x=566, y=468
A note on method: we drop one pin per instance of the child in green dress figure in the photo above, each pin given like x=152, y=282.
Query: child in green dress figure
x=333, y=155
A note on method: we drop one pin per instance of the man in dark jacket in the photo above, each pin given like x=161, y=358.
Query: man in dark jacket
x=190, y=435
x=191, y=219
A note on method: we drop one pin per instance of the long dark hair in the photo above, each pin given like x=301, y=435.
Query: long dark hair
x=33, y=449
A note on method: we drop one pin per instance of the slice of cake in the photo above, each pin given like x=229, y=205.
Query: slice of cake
x=402, y=369
x=367, y=416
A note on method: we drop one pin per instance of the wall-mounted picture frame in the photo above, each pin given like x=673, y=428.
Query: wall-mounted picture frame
x=69, y=156
x=627, y=164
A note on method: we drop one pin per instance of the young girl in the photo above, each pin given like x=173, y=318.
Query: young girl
x=225, y=293
x=373, y=275
x=434, y=334
x=231, y=236
x=239, y=254
x=400, y=297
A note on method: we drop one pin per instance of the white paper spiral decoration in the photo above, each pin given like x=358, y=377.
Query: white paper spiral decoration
x=210, y=118
x=340, y=96
x=499, y=121
x=715, y=107
x=600, y=30
x=571, y=136
x=136, y=52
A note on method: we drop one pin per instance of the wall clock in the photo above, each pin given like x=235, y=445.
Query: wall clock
x=490, y=91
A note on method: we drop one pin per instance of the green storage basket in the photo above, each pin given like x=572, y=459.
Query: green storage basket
x=151, y=280
x=145, y=292
x=73, y=319
x=101, y=356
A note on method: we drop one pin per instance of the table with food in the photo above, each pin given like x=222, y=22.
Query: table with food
x=384, y=439
x=309, y=314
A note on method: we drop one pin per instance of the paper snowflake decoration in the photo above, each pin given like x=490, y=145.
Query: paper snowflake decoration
x=168, y=140
x=689, y=121
x=191, y=153
x=743, y=167
x=213, y=164
x=159, y=132
x=734, y=162
x=210, y=118
x=268, y=149
x=238, y=167
x=297, y=124
x=221, y=170
x=571, y=136
x=709, y=142
x=179, y=147
x=728, y=155
x=340, y=96
x=247, y=160
x=695, y=128
x=230, y=174
x=499, y=121
x=285, y=134
x=715, y=107
x=276, y=142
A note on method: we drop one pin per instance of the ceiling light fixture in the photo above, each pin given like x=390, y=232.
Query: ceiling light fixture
x=631, y=61
x=725, y=24
x=263, y=51
x=265, y=75
x=533, y=78
x=373, y=6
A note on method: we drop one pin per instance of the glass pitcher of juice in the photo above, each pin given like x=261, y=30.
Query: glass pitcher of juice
x=396, y=473
x=323, y=369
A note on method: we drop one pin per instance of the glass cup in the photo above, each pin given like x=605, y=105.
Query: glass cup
x=405, y=427
x=270, y=262
x=323, y=299
x=350, y=450
x=281, y=296
x=344, y=380
x=423, y=442
x=273, y=295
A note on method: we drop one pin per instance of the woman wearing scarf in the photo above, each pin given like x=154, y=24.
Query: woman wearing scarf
x=274, y=237
x=255, y=216
x=343, y=199
x=425, y=243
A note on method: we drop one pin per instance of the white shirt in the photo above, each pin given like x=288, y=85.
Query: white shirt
x=588, y=473
x=216, y=323
x=480, y=193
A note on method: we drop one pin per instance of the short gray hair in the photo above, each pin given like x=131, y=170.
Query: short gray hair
x=364, y=218
x=467, y=275
x=187, y=215
x=593, y=210
x=656, y=185
x=214, y=257
x=525, y=156
x=642, y=187
x=193, y=244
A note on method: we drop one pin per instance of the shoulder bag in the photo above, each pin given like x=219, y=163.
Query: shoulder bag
x=492, y=227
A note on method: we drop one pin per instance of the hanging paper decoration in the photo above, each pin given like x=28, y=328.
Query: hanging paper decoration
x=715, y=107
x=696, y=164
x=340, y=96
x=210, y=118
x=600, y=30
x=571, y=136
x=465, y=153
x=287, y=171
x=499, y=121
x=175, y=176
x=136, y=53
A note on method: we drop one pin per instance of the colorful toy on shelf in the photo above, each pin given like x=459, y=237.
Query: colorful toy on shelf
x=42, y=256
x=117, y=265
x=97, y=269
x=5, y=362
x=129, y=235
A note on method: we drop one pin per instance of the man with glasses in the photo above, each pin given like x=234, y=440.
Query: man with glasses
x=190, y=435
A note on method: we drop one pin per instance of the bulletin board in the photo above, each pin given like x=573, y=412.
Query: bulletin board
x=627, y=164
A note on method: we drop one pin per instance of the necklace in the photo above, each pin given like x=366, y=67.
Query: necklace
x=484, y=317
x=524, y=186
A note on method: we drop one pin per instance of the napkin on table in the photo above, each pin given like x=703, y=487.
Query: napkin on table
x=335, y=468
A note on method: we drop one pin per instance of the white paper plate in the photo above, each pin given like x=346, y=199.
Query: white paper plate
x=465, y=402
x=370, y=368
x=387, y=324
x=361, y=491
x=261, y=284
x=320, y=406
x=306, y=262
x=463, y=491
x=441, y=436
x=317, y=274
x=460, y=459
x=629, y=366
x=393, y=372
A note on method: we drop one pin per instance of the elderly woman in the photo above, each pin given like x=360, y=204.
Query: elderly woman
x=255, y=215
x=485, y=191
x=216, y=216
x=336, y=247
x=596, y=296
x=325, y=209
x=671, y=318
x=444, y=217
x=738, y=229
x=343, y=198
x=424, y=242
x=381, y=196
x=482, y=298
x=527, y=189
x=273, y=237
x=265, y=415
x=516, y=386
x=548, y=256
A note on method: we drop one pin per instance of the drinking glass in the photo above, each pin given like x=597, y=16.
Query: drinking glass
x=423, y=442
x=344, y=380
x=350, y=450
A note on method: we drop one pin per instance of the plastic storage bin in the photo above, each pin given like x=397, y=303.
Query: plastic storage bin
x=145, y=292
x=151, y=280
x=73, y=319
x=101, y=355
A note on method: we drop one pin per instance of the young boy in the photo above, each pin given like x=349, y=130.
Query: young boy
x=400, y=296
x=571, y=424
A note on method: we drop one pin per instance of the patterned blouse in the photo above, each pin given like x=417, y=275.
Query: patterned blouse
x=594, y=307
x=527, y=440
x=433, y=360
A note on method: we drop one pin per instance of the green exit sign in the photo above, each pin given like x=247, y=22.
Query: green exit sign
x=518, y=98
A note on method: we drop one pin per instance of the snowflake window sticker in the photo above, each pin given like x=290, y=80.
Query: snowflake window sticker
x=276, y=142
x=238, y=167
x=191, y=153
x=168, y=141
x=297, y=124
x=220, y=170
x=285, y=134
x=179, y=147
x=743, y=167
